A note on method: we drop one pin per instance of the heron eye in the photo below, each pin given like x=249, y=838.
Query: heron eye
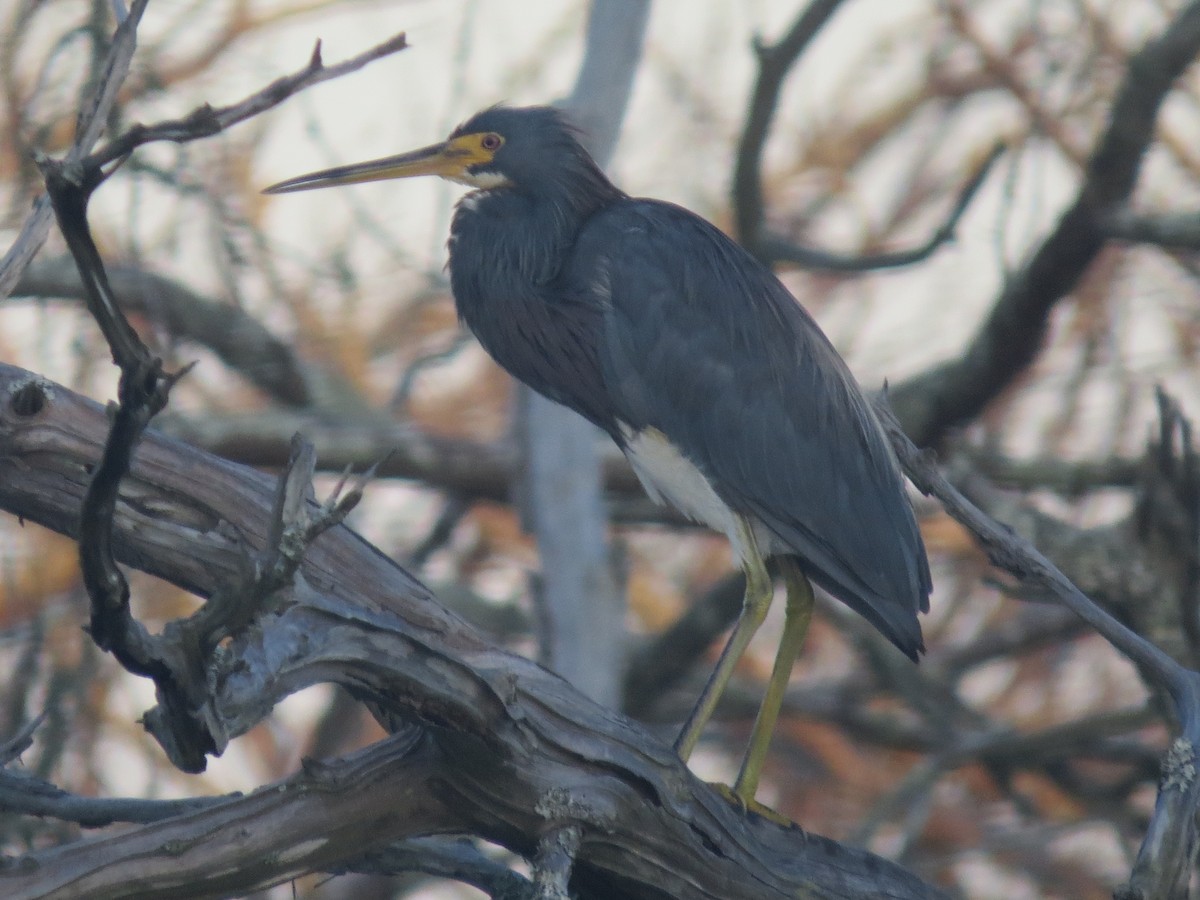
x=491, y=141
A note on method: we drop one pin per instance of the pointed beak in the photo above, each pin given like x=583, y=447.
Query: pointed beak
x=450, y=159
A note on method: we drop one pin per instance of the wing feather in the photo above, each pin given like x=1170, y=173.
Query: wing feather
x=703, y=343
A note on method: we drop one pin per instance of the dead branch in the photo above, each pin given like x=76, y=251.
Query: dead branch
x=955, y=392
x=240, y=340
x=205, y=121
x=470, y=469
x=1167, y=852
x=202, y=122
x=749, y=207
x=507, y=747
x=94, y=114
x=1171, y=231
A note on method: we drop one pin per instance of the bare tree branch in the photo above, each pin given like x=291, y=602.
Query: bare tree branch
x=775, y=249
x=1171, y=231
x=502, y=737
x=775, y=61
x=42, y=441
x=202, y=122
x=91, y=123
x=447, y=857
x=205, y=121
x=664, y=660
x=955, y=392
x=1168, y=850
x=240, y=340
x=1069, y=478
x=24, y=794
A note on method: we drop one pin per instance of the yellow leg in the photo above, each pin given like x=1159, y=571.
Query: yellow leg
x=798, y=614
x=754, y=609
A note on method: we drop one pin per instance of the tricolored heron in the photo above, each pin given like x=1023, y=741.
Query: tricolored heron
x=722, y=391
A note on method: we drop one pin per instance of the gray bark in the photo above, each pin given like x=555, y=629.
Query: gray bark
x=494, y=745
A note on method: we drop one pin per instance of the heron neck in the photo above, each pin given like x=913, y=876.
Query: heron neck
x=507, y=237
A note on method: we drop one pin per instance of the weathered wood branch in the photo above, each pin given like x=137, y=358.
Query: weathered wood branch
x=1167, y=856
x=507, y=750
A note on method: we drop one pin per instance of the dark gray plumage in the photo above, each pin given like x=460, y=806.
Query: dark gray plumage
x=639, y=312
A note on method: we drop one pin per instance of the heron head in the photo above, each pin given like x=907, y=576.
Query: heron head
x=524, y=147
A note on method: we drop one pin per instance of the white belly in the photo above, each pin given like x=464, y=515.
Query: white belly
x=671, y=478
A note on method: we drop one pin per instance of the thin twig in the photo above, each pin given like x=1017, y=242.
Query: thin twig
x=935, y=401
x=775, y=61
x=1168, y=850
x=773, y=248
x=205, y=121
x=91, y=123
x=21, y=741
x=1172, y=231
x=23, y=794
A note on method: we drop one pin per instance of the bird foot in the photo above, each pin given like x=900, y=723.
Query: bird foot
x=750, y=805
